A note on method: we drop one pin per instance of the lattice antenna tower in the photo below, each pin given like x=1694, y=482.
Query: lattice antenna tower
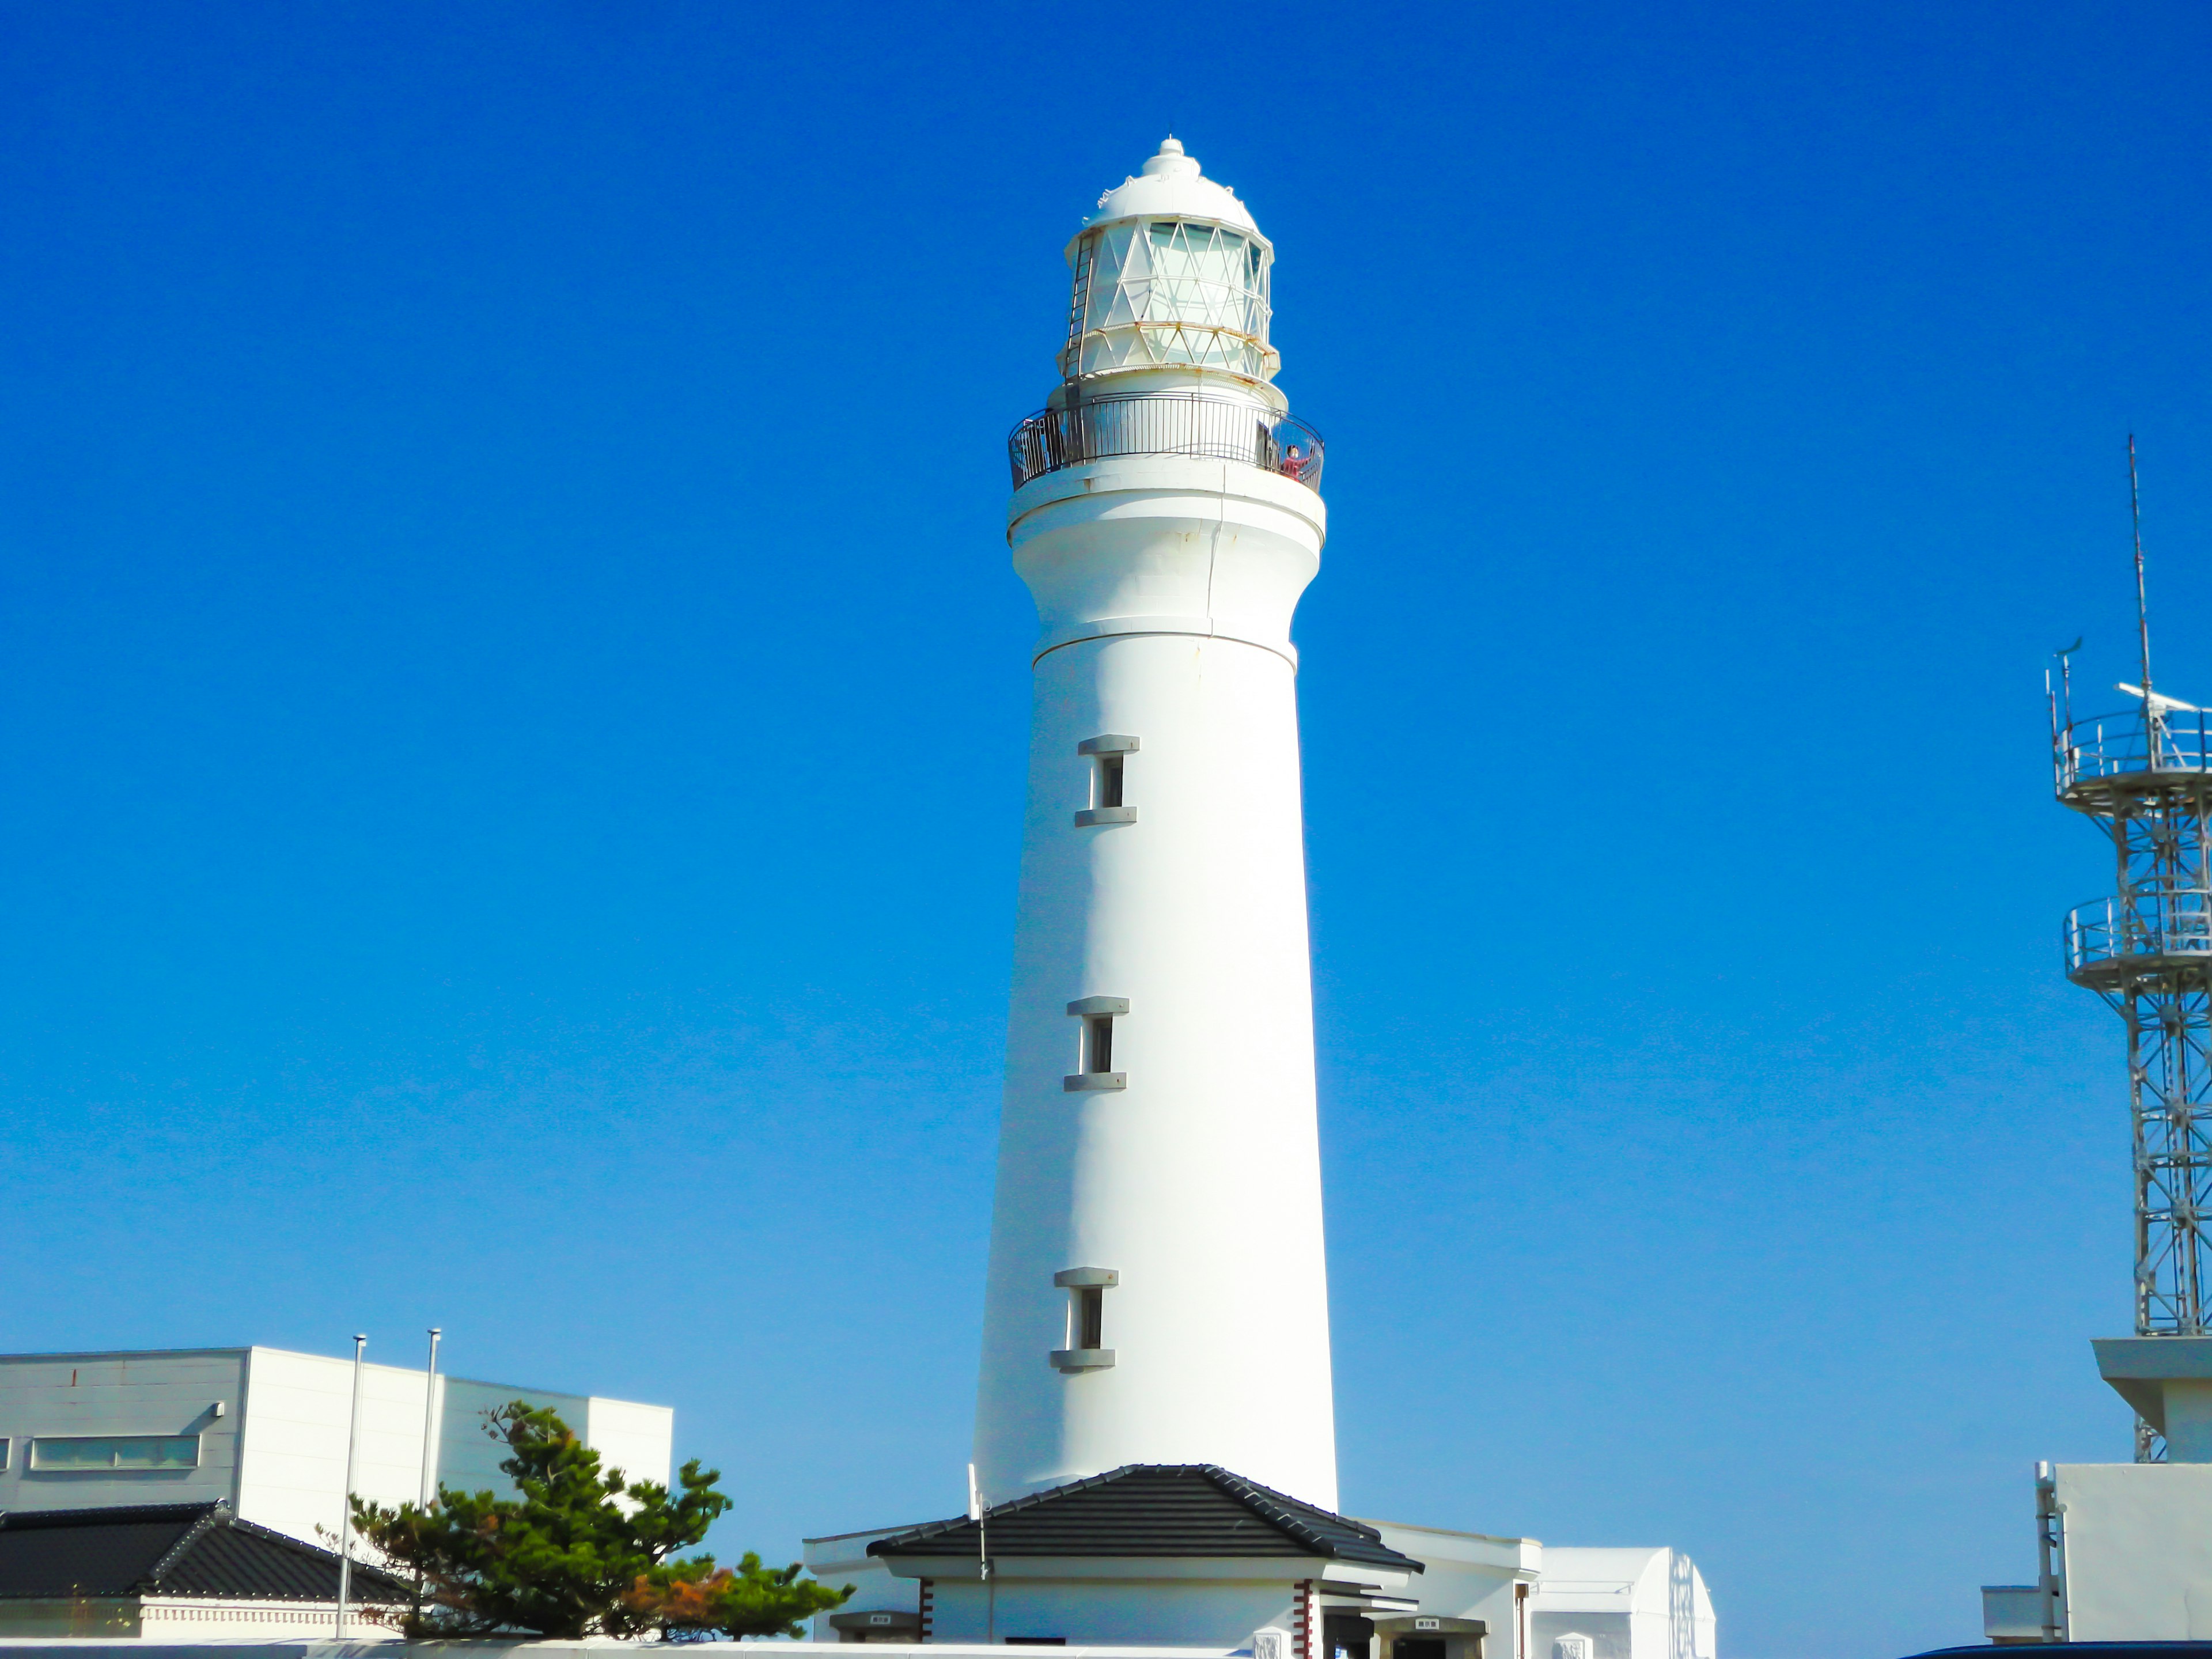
x=2141, y=776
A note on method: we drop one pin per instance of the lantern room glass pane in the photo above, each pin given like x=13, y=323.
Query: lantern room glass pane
x=1176, y=292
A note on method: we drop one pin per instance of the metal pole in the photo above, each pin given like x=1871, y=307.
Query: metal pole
x=2142, y=601
x=982, y=1519
x=2047, y=1548
x=429, y=1415
x=345, y=1505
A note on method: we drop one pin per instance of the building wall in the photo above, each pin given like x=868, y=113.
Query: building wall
x=205, y=1619
x=1199, y=1183
x=278, y=1453
x=2138, y=1551
x=1110, y=1613
x=294, y=1458
x=633, y=1439
x=844, y=1559
x=1632, y=1603
x=103, y=1393
x=1469, y=1576
x=1609, y=1635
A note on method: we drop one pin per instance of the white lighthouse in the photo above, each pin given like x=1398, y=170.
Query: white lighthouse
x=1158, y=1290
x=1155, y=1432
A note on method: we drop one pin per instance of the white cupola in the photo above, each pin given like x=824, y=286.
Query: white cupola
x=1171, y=273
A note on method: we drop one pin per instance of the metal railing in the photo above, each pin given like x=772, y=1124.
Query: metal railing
x=2122, y=745
x=2152, y=921
x=1164, y=423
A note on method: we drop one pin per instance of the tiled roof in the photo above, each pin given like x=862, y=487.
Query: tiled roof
x=171, y=1549
x=1156, y=1509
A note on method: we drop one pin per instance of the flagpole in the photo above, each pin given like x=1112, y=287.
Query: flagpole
x=345, y=1504
x=429, y=1415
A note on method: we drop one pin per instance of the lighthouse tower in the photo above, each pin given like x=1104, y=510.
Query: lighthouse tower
x=1158, y=1290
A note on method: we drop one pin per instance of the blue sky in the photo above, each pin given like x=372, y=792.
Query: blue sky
x=514, y=707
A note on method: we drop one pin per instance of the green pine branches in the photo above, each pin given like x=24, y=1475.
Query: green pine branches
x=578, y=1552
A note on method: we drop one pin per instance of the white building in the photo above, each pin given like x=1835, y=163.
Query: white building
x=1621, y=1604
x=2126, y=1547
x=265, y=1430
x=1192, y=1557
x=1155, y=1458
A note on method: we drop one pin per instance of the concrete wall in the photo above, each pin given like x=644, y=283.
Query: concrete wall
x=2138, y=1551
x=180, y=1618
x=294, y=1458
x=596, y=1648
x=1210, y=1612
x=1164, y=587
x=94, y=1394
x=843, y=1559
x=277, y=1453
x=1632, y=1603
x=1470, y=1576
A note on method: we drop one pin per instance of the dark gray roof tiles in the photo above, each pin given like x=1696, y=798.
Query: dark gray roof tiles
x=1155, y=1510
x=171, y=1549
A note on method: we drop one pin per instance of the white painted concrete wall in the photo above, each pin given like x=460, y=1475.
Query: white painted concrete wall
x=1470, y=1576
x=293, y=1467
x=278, y=1454
x=1165, y=586
x=2137, y=1551
x=590, y=1648
x=844, y=1559
x=1213, y=1614
x=1631, y=1603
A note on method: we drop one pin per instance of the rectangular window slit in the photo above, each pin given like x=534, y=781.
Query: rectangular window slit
x=1102, y=1044
x=1109, y=780
x=1091, y=1317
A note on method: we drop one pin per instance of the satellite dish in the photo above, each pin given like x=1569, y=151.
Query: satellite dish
x=2159, y=704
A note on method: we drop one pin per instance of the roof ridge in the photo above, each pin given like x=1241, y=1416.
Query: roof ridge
x=1255, y=1498
x=1027, y=1500
x=1066, y=1516
x=1280, y=1509
x=217, y=1513
x=106, y=1514
x=304, y=1546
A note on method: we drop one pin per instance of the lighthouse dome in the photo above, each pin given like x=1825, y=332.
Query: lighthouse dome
x=1171, y=186
x=1171, y=277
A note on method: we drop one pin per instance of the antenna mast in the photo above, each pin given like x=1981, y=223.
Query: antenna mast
x=2145, y=780
x=2142, y=598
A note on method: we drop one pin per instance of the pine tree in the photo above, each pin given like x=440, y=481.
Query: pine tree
x=579, y=1552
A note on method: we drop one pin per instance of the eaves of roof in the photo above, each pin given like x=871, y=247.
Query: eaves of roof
x=1152, y=1509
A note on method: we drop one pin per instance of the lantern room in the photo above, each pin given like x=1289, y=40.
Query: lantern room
x=1171, y=273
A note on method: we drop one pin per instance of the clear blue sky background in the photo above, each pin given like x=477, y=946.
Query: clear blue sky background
x=514, y=707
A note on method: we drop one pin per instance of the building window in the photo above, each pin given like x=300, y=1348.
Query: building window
x=1089, y=1317
x=1086, y=1288
x=117, y=1451
x=1098, y=1043
x=1095, y=1044
x=6, y=1447
x=1109, y=754
x=1109, y=780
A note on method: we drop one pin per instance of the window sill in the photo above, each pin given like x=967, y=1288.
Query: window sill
x=1091, y=817
x=1084, y=1083
x=1082, y=1359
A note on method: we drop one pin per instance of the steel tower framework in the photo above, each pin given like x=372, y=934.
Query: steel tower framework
x=2141, y=776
